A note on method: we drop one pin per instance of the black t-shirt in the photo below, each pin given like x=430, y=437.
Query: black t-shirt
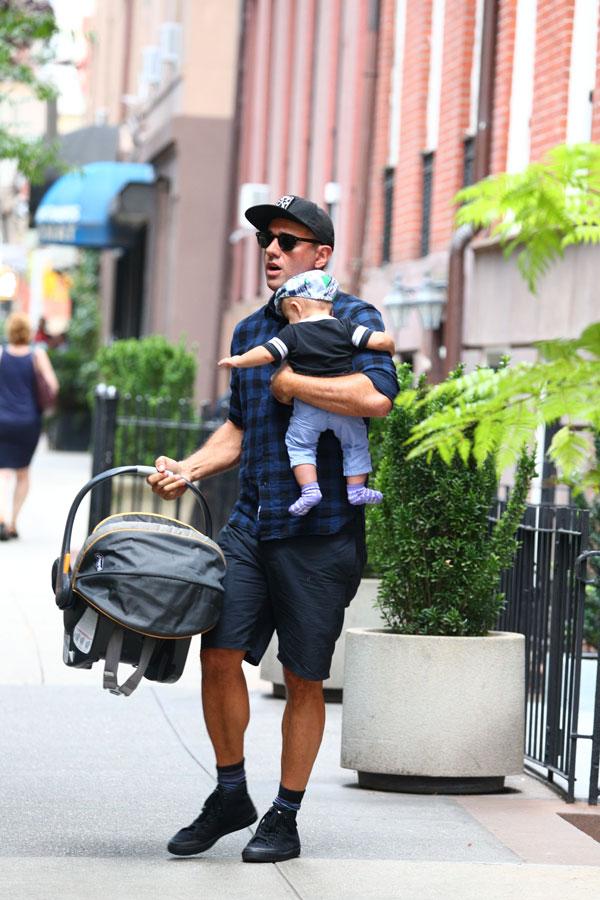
x=319, y=347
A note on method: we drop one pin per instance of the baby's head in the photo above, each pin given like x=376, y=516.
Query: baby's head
x=306, y=293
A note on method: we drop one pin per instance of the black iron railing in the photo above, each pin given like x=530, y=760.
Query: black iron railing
x=545, y=602
x=135, y=431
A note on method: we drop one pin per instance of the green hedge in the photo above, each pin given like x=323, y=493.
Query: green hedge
x=430, y=540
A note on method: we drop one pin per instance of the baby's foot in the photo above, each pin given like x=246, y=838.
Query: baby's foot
x=359, y=495
x=310, y=496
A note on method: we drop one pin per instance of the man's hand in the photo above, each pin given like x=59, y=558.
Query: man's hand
x=281, y=384
x=168, y=486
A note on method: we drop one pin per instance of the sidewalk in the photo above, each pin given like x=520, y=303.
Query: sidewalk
x=92, y=786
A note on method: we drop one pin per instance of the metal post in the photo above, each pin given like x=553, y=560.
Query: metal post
x=103, y=437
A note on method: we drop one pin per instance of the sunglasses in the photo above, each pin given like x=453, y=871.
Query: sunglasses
x=286, y=241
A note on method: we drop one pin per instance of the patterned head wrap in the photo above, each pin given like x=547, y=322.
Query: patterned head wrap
x=313, y=285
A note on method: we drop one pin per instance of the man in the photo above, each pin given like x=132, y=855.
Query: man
x=286, y=573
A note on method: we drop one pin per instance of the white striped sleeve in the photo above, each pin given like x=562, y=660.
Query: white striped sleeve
x=360, y=336
x=277, y=348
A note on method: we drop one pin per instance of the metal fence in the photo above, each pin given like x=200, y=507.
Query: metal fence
x=545, y=602
x=134, y=431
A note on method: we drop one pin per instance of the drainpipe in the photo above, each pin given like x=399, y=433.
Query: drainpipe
x=366, y=136
x=453, y=326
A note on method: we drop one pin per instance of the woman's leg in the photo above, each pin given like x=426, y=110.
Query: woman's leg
x=5, y=478
x=21, y=491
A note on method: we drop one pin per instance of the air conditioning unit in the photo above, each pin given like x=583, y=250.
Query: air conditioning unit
x=151, y=66
x=170, y=40
x=251, y=194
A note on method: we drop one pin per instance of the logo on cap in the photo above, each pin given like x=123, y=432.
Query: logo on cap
x=285, y=201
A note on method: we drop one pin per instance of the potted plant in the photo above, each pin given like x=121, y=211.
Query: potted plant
x=435, y=700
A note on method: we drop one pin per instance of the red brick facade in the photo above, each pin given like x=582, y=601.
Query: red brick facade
x=554, y=28
x=408, y=191
x=505, y=48
x=454, y=118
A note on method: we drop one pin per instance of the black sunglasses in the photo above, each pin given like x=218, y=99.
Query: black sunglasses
x=286, y=241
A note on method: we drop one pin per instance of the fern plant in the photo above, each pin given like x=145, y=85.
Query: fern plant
x=540, y=211
x=537, y=214
x=430, y=539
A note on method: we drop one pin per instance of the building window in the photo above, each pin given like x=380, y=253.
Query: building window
x=427, y=194
x=468, y=161
x=388, y=205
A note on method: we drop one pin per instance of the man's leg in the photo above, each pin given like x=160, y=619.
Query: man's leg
x=225, y=702
x=301, y=729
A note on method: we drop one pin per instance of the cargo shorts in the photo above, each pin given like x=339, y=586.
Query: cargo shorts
x=298, y=587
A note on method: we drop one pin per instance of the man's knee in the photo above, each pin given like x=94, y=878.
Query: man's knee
x=301, y=688
x=220, y=662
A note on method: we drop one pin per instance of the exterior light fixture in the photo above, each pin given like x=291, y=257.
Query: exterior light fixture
x=427, y=298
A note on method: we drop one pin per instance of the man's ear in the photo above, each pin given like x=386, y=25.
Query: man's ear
x=323, y=256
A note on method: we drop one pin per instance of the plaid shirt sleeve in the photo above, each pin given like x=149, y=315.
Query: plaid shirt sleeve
x=375, y=364
x=235, y=406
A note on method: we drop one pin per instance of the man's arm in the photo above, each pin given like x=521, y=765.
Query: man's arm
x=349, y=395
x=220, y=452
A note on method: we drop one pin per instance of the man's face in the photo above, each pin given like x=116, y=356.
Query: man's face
x=279, y=266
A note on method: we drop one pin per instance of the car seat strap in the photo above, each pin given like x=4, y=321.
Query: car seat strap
x=113, y=658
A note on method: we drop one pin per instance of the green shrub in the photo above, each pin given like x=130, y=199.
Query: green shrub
x=430, y=540
x=75, y=362
x=151, y=367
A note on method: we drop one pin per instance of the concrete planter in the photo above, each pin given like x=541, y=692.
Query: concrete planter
x=433, y=714
x=360, y=614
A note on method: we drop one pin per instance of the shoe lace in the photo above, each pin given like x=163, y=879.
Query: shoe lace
x=212, y=808
x=272, y=822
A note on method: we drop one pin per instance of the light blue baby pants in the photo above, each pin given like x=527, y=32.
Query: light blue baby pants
x=305, y=428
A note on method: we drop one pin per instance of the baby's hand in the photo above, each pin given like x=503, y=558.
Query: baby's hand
x=228, y=362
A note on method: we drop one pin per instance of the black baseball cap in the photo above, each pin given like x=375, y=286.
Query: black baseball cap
x=297, y=209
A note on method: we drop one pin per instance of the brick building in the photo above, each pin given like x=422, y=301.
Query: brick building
x=381, y=111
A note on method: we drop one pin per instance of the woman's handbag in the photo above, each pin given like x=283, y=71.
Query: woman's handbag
x=44, y=394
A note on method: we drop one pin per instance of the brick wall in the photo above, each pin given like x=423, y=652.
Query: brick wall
x=457, y=58
x=554, y=27
x=381, y=132
x=409, y=174
x=596, y=104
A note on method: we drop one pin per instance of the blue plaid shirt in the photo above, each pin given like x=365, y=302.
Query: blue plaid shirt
x=267, y=483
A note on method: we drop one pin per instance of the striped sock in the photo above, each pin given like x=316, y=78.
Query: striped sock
x=358, y=495
x=231, y=777
x=288, y=800
x=311, y=495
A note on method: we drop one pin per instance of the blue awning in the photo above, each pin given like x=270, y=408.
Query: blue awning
x=77, y=208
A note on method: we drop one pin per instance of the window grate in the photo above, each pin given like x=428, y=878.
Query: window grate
x=428, y=159
x=388, y=206
x=468, y=161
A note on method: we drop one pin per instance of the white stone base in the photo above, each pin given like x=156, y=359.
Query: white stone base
x=448, y=707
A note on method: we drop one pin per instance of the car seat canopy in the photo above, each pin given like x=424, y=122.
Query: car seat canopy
x=152, y=574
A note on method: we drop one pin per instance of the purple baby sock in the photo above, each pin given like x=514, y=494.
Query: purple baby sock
x=311, y=495
x=358, y=495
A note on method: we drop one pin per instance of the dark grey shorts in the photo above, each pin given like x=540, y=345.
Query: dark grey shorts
x=298, y=587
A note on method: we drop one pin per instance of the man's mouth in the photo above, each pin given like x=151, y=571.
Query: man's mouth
x=272, y=269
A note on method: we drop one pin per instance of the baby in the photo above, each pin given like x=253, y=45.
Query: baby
x=318, y=344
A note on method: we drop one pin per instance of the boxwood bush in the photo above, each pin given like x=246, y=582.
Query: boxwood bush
x=430, y=540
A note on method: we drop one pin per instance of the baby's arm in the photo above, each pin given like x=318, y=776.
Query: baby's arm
x=379, y=340
x=258, y=356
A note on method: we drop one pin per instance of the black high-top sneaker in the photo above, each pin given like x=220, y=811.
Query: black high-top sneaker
x=276, y=838
x=222, y=813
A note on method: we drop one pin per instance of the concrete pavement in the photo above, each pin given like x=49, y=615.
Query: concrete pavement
x=92, y=786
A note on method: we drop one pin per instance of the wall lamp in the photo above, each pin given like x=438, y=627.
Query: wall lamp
x=427, y=298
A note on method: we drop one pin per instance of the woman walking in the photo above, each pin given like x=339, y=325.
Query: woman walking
x=20, y=416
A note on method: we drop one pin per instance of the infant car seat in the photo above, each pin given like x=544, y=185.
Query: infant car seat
x=140, y=587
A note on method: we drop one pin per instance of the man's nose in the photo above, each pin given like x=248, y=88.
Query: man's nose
x=273, y=249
